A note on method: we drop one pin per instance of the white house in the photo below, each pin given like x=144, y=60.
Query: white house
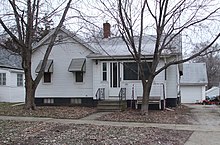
x=212, y=92
x=11, y=84
x=193, y=82
x=82, y=73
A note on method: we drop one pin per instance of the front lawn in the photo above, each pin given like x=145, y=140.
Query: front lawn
x=177, y=115
x=10, y=109
x=42, y=133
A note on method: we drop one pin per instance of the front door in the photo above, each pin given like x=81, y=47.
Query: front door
x=114, y=79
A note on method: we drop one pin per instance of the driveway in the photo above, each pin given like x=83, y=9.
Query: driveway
x=206, y=114
x=209, y=116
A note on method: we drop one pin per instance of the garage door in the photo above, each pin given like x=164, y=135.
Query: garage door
x=191, y=94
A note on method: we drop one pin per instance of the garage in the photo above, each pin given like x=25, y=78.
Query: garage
x=193, y=82
x=192, y=94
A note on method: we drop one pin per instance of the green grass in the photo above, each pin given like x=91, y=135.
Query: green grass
x=6, y=104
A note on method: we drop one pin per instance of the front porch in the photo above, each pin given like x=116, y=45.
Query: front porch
x=123, y=100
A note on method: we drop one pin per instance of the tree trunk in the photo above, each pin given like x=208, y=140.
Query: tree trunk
x=146, y=95
x=30, y=91
x=30, y=87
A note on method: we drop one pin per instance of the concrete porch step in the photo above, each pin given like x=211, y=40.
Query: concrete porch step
x=110, y=105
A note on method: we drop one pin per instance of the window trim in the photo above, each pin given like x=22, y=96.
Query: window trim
x=76, y=101
x=81, y=80
x=127, y=67
x=138, y=69
x=48, y=101
x=20, y=81
x=104, y=71
x=3, y=79
x=47, y=82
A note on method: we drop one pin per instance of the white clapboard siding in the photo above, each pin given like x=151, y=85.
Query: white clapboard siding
x=63, y=82
x=134, y=90
x=172, y=81
x=157, y=88
x=193, y=82
x=214, y=91
x=11, y=92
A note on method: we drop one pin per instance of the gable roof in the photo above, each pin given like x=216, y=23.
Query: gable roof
x=117, y=47
x=70, y=34
x=9, y=59
x=194, y=74
x=10, y=67
x=214, y=91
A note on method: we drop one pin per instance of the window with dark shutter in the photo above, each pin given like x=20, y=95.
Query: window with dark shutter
x=47, y=77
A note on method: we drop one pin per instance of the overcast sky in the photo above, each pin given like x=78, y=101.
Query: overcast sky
x=92, y=10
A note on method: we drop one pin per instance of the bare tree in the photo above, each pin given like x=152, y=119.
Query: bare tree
x=212, y=59
x=169, y=21
x=26, y=22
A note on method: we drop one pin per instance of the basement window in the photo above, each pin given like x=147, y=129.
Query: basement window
x=48, y=101
x=76, y=101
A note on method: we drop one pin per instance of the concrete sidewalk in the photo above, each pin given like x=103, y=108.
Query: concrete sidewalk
x=204, y=138
x=200, y=128
x=96, y=115
x=202, y=135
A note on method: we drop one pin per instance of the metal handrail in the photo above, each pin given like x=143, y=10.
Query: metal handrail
x=122, y=96
x=100, y=94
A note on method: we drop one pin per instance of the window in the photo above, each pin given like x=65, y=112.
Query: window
x=146, y=66
x=19, y=80
x=104, y=71
x=79, y=76
x=48, y=101
x=47, y=77
x=3, y=79
x=131, y=70
x=76, y=101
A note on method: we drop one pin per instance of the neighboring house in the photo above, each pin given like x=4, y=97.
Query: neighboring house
x=81, y=73
x=193, y=82
x=9, y=58
x=11, y=84
x=11, y=77
x=212, y=92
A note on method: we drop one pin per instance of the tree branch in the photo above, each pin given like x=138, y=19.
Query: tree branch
x=51, y=44
x=189, y=58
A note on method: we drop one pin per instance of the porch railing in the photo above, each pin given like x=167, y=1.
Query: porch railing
x=100, y=94
x=122, y=94
x=122, y=97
